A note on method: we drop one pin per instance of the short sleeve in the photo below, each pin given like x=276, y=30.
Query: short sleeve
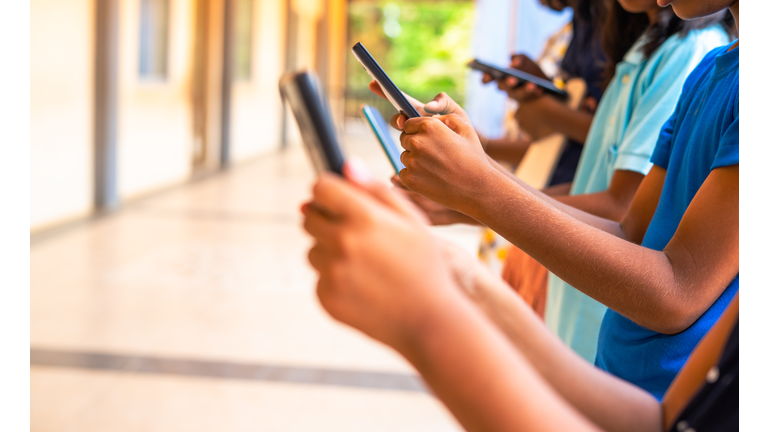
x=728, y=150
x=660, y=85
x=663, y=148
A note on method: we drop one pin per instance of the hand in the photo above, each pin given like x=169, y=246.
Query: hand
x=442, y=104
x=380, y=269
x=437, y=214
x=515, y=88
x=443, y=160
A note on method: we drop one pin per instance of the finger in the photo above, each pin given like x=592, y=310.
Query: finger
x=442, y=104
x=397, y=121
x=340, y=199
x=375, y=88
x=319, y=257
x=320, y=226
x=397, y=182
x=487, y=78
x=358, y=174
x=416, y=125
x=456, y=124
x=516, y=61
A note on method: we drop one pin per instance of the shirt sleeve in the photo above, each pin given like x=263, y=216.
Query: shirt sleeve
x=728, y=151
x=656, y=103
x=661, y=153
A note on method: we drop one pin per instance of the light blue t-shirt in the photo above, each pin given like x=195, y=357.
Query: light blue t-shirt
x=639, y=99
x=702, y=135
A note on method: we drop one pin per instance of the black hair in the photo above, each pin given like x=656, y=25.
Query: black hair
x=622, y=29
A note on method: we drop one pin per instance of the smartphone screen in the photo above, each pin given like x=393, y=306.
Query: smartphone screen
x=394, y=95
x=381, y=130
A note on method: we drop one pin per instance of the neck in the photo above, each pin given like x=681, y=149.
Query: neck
x=735, y=12
x=653, y=14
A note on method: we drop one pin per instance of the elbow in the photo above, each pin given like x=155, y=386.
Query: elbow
x=673, y=317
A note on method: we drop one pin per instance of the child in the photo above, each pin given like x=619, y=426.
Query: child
x=668, y=269
x=383, y=273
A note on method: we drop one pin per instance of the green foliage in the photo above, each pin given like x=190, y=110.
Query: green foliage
x=422, y=45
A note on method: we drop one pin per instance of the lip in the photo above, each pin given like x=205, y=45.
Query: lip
x=664, y=3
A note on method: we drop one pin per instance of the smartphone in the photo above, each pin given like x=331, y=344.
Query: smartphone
x=499, y=72
x=394, y=95
x=381, y=130
x=310, y=107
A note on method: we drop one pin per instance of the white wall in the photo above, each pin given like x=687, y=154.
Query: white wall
x=154, y=125
x=61, y=113
x=256, y=114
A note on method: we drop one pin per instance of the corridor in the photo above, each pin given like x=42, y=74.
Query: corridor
x=194, y=310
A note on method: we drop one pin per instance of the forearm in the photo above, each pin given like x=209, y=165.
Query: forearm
x=545, y=113
x=558, y=190
x=598, y=222
x=478, y=375
x=600, y=204
x=510, y=151
x=635, y=281
x=613, y=404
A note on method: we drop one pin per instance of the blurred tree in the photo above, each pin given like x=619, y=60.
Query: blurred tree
x=422, y=45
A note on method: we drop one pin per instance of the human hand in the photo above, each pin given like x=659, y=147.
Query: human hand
x=443, y=160
x=380, y=269
x=437, y=214
x=516, y=89
x=442, y=104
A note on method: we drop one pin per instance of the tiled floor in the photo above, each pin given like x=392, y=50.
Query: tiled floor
x=214, y=271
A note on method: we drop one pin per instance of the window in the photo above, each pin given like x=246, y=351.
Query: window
x=153, y=43
x=243, y=39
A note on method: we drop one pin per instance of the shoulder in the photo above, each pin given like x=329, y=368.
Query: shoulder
x=694, y=46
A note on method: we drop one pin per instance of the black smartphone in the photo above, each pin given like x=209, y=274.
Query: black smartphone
x=499, y=72
x=394, y=95
x=310, y=107
x=381, y=130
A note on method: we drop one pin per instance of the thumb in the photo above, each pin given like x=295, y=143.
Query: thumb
x=357, y=173
x=442, y=104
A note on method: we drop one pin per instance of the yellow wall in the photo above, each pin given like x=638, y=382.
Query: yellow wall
x=61, y=113
x=154, y=132
x=256, y=107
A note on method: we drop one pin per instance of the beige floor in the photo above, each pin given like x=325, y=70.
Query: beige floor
x=214, y=270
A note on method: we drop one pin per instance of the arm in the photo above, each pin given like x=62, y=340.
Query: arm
x=542, y=116
x=611, y=204
x=381, y=272
x=613, y=404
x=665, y=291
x=506, y=149
x=558, y=190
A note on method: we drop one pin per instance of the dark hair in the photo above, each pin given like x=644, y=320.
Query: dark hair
x=622, y=29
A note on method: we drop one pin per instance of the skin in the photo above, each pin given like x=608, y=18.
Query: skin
x=612, y=203
x=540, y=114
x=665, y=290
x=415, y=306
x=462, y=328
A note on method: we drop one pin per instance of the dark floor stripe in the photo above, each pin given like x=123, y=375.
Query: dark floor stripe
x=226, y=370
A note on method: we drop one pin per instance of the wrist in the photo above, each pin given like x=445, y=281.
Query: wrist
x=480, y=198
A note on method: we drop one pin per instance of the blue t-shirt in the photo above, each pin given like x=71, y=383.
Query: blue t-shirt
x=701, y=135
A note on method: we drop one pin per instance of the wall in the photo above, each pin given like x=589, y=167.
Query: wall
x=154, y=132
x=256, y=106
x=61, y=113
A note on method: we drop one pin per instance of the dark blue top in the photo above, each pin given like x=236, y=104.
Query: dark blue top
x=701, y=135
x=583, y=59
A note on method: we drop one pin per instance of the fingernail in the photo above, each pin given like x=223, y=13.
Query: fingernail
x=400, y=122
x=357, y=170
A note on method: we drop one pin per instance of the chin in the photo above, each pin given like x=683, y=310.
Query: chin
x=692, y=9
